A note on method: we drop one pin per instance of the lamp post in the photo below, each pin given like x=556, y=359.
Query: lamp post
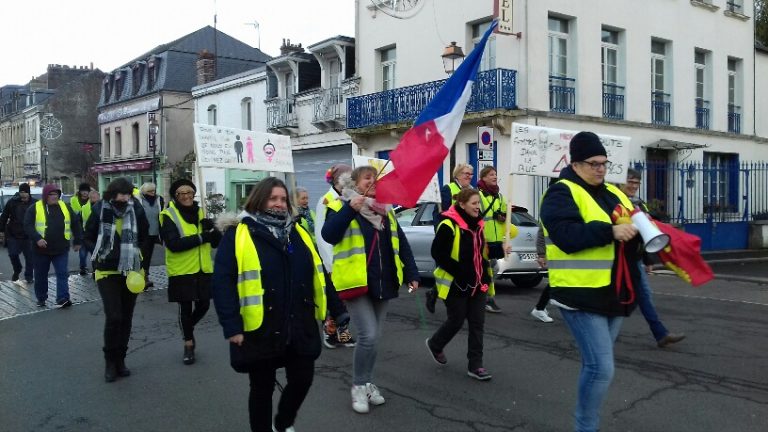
x=45, y=165
x=2, y=183
x=154, y=128
x=452, y=57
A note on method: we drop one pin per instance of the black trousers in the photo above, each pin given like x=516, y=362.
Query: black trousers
x=118, y=312
x=188, y=318
x=543, y=299
x=147, y=249
x=299, y=372
x=471, y=309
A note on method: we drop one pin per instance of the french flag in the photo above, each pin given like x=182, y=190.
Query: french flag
x=423, y=147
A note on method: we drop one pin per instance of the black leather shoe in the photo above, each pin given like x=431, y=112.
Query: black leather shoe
x=431, y=300
x=110, y=372
x=670, y=339
x=121, y=369
x=189, y=355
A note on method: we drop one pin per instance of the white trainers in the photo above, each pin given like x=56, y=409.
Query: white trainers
x=541, y=315
x=360, y=399
x=288, y=429
x=374, y=396
x=20, y=283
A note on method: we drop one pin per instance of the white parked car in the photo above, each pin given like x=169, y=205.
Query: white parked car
x=520, y=266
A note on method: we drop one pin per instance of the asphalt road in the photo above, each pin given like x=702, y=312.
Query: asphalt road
x=51, y=371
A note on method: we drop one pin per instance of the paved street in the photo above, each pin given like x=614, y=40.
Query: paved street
x=51, y=370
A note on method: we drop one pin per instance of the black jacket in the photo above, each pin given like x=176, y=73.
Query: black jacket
x=54, y=236
x=12, y=219
x=567, y=230
x=93, y=228
x=287, y=278
x=382, y=274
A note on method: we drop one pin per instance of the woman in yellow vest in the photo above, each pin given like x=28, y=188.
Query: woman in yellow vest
x=306, y=217
x=463, y=279
x=583, y=255
x=493, y=209
x=269, y=294
x=188, y=238
x=371, y=261
x=114, y=231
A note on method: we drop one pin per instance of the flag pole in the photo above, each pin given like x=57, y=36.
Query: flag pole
x=377, y=176
x=509, y=215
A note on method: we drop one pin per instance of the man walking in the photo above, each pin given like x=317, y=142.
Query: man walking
x=77, y=203
x=12, y=224
x=52, y=226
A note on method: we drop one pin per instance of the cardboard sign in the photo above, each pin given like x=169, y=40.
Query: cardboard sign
x=222, y=147
x=544, y=151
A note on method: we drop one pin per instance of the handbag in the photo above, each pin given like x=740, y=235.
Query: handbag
x=353, y=293
x=244, y=357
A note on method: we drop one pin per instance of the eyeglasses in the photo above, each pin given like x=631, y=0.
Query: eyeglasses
x=467, y=174
x=597, y=165
x=633, y=182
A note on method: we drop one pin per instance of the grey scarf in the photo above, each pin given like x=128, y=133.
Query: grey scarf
x=130, y=258
x=372, y=211
x=279, y=224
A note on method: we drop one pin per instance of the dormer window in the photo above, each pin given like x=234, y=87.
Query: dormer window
x=119, y=84
x=136, y=75
x=107, y=87
x=152, y=67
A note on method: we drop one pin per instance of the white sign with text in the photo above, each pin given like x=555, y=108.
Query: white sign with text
x=543, y=151
x=222, y=147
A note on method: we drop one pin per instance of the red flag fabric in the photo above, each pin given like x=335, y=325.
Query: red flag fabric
x=683, y=256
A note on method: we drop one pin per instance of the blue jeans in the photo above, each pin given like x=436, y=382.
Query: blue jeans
x=84, y=254
x=42, y=265
x=645, y=302
x=595, y=335
x=368, y=316
x=18, y=247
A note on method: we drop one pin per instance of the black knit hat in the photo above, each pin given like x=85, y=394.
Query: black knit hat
x=179, y=183
x=584, y=145
x=84, y=187
x=24, y=187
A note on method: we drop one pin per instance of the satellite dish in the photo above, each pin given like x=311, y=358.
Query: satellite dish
x=400, y=9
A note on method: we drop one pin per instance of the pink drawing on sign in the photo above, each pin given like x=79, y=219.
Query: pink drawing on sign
x=562, y=163
x=269, y=151
x=249, y=150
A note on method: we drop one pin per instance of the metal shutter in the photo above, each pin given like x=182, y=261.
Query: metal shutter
x=311, y=165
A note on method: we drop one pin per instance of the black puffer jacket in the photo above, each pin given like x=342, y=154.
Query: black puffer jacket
x=12, y=219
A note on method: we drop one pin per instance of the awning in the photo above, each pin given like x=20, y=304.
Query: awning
x=675, y=145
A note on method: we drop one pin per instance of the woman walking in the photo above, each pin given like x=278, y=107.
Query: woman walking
x=493, y=209
x=270, y=319
x=463, y=279
x=188, y=239
x=371, y=261
x=114, y=231
x=153, y=205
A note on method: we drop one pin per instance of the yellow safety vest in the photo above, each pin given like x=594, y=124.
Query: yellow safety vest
x=85, y=212
x=455, y=189
x=350, y=267
x=443, y=279
x=589, y=268
x=494, y=230
x=304, y=224
x=74, y=202
x=41, y=221
x=249, y=287
x=190, y=261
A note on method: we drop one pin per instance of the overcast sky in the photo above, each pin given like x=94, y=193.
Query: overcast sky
x=110, y=34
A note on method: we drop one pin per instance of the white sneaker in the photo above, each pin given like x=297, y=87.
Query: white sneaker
x=374, y=396
x=360, y=399
x=288, y=429
x=541, y=315
x=21, y=283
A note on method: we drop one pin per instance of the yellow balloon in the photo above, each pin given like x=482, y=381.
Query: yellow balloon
x=513, y=231
x=135, y=282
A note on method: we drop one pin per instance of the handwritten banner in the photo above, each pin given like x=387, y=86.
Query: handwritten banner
x=222, y=147
x=430, y=194
x=544, y=151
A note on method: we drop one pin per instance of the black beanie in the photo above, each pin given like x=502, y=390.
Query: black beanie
x=24, y=187
x=584, y=145
x=84, y=187
x=179, y=183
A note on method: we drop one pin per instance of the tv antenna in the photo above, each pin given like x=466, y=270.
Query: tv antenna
x=255, y=25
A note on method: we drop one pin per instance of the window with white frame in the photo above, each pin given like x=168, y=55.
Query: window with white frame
x=289, y=85
x=388, y=61
x=246, y=121
x=118, y=141
x=610, y=57
x=558, y=47
x=334, y=73
x=721, y=182
x=732, y=82
x=135, y=138
x=488, y=61
x=658, y=61
x=734, y=96
x=212, y=115
x=700, y=74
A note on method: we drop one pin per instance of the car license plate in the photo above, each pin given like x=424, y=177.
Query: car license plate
x=527, y=256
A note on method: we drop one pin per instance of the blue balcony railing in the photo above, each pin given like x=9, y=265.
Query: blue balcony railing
x=613, y=102
x=734, y=119
x=702, y=113
x=562, y=94
x=661, y=108
x=493, y=89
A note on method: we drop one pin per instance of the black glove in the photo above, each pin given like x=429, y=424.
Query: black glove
x=211, y=236
x=207, y=224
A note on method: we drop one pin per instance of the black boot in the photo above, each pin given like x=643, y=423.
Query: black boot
x=189, y=354
x=110, y=371
x=121, y=369
x=431, y=299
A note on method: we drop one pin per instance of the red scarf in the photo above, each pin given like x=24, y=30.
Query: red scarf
x=488, y=189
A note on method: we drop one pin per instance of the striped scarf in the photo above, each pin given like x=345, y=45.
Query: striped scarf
x=130, y=258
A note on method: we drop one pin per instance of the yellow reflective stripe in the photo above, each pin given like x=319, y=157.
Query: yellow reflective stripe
x=248, y=275
x=580, y=264
x=254, y=300
x=348, y=253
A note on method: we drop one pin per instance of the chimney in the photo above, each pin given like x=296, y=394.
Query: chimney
x=288, y=48
x=206, y=67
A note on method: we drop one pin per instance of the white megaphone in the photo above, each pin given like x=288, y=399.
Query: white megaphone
x=653, y=238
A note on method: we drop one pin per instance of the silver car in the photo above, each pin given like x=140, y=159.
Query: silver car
x=520, y=266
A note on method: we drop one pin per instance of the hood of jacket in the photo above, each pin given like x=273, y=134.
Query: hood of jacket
x=50, y=188
x=454, y=215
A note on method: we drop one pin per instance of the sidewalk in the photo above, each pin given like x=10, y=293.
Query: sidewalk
x=16, y=301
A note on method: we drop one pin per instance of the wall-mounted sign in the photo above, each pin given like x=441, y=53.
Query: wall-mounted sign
x=502, y=9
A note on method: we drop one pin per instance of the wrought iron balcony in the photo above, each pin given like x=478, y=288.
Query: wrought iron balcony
x=281, y=113
x=734, y=119
x=661, y=108
x=702, y=113
x=329, y=106
x=493, y=89
x=613, y=101
x=562, y=94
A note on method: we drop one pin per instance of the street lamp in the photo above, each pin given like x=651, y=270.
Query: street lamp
x=154, y=128
x=452, y=57
x=45, y=164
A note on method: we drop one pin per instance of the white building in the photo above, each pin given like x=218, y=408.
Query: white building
x=678, y=77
